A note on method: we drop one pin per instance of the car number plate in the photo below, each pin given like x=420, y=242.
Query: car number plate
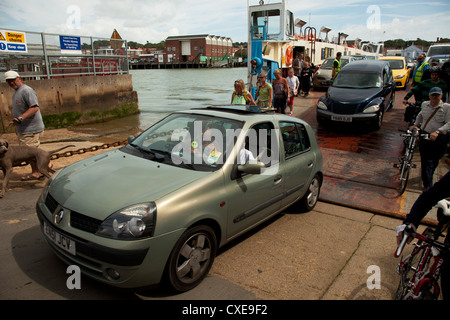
x=342, y=118
x=60, y=240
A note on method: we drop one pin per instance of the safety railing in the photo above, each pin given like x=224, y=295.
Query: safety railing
x=38, y=55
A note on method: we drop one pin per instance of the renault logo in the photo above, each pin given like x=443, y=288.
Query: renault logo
x=57, y=217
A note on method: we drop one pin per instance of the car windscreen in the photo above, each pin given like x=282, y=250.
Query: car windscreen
x=396, y=64
x=438, y=50
x=192, y=141
x=327, y=64
x=357, y=80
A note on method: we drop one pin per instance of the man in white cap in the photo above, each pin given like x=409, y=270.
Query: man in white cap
x=26, y=116
x=433, y=119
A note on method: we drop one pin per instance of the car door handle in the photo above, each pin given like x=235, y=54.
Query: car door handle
x=277, y=178
x=311, y=163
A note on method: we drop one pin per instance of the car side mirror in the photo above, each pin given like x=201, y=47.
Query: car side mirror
x=131, y=138
x=252, y=167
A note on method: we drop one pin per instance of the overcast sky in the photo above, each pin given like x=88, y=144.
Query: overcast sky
x=155, y=20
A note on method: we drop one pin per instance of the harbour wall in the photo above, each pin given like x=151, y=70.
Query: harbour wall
x=77, y=100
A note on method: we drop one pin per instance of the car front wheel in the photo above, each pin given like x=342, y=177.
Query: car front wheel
x=191, y=258
x=379, y=121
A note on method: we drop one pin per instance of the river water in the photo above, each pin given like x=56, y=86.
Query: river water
x=161, y=92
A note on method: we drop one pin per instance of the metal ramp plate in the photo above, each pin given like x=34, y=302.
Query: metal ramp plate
x=358, y=163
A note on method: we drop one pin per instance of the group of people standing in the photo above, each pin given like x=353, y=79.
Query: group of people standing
x=281, y=92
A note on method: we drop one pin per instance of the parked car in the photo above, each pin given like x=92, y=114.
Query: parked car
x=440, y=58
x=157, y=209
x=361, y=93
x=410, y=63
x=400, y=70
x=357, y=57
x=322, y=77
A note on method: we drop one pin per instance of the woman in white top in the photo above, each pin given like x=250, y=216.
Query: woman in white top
x=294, y=84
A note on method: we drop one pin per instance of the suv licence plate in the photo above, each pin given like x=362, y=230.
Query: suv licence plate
x=60, y=240
x=342, y=118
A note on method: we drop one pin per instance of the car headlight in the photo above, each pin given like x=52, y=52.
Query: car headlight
x=321, y=105
x=372, y=109
x=400, y=76
x=134, y=222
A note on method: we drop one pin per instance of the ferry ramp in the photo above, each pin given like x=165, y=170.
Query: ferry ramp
x=358, y=163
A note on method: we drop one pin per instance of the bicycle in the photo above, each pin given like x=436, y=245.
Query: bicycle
x=405, y=163
x=411, y=112
x=418, y=275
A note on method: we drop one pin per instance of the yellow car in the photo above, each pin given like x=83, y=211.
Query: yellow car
x=400, y=70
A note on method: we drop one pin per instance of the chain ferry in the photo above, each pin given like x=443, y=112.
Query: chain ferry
x=273, y=41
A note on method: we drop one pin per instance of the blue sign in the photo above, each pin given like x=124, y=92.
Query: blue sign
x=17, y=47
x=70, y=44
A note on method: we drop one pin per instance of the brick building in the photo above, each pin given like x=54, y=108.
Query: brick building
x=204, y=47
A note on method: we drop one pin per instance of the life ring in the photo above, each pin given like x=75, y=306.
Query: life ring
x=289, y=55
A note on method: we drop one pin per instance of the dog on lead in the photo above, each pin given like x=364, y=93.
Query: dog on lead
x=10, y=155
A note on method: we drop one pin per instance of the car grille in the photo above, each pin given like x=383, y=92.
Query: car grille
x=77, y=220
x=51, y=203
x=85, y=223
x=340, y=108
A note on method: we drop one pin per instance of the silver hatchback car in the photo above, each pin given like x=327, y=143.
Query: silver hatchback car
x=156, y=210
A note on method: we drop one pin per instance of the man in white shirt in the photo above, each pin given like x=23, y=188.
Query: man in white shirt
x=434, y=119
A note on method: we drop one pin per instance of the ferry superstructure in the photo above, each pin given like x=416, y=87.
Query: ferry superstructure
x=273, y=41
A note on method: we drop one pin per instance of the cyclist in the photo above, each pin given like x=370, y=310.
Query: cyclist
x=419, y=210
x=422, y=89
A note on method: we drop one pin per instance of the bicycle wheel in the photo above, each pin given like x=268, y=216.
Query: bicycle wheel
x=408, y=267
x=407, y=271
x=429, y=289
x=404, y=175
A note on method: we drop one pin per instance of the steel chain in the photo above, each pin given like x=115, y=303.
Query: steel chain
x=81, y=151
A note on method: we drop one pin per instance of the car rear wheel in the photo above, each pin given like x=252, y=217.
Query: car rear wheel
x=192, y=258
x=309, y=200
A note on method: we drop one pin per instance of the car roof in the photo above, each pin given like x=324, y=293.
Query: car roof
x=365, y=66
x=239, y=112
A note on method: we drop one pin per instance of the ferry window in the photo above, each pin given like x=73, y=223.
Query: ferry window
x=290, y=24
x=273, y=22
